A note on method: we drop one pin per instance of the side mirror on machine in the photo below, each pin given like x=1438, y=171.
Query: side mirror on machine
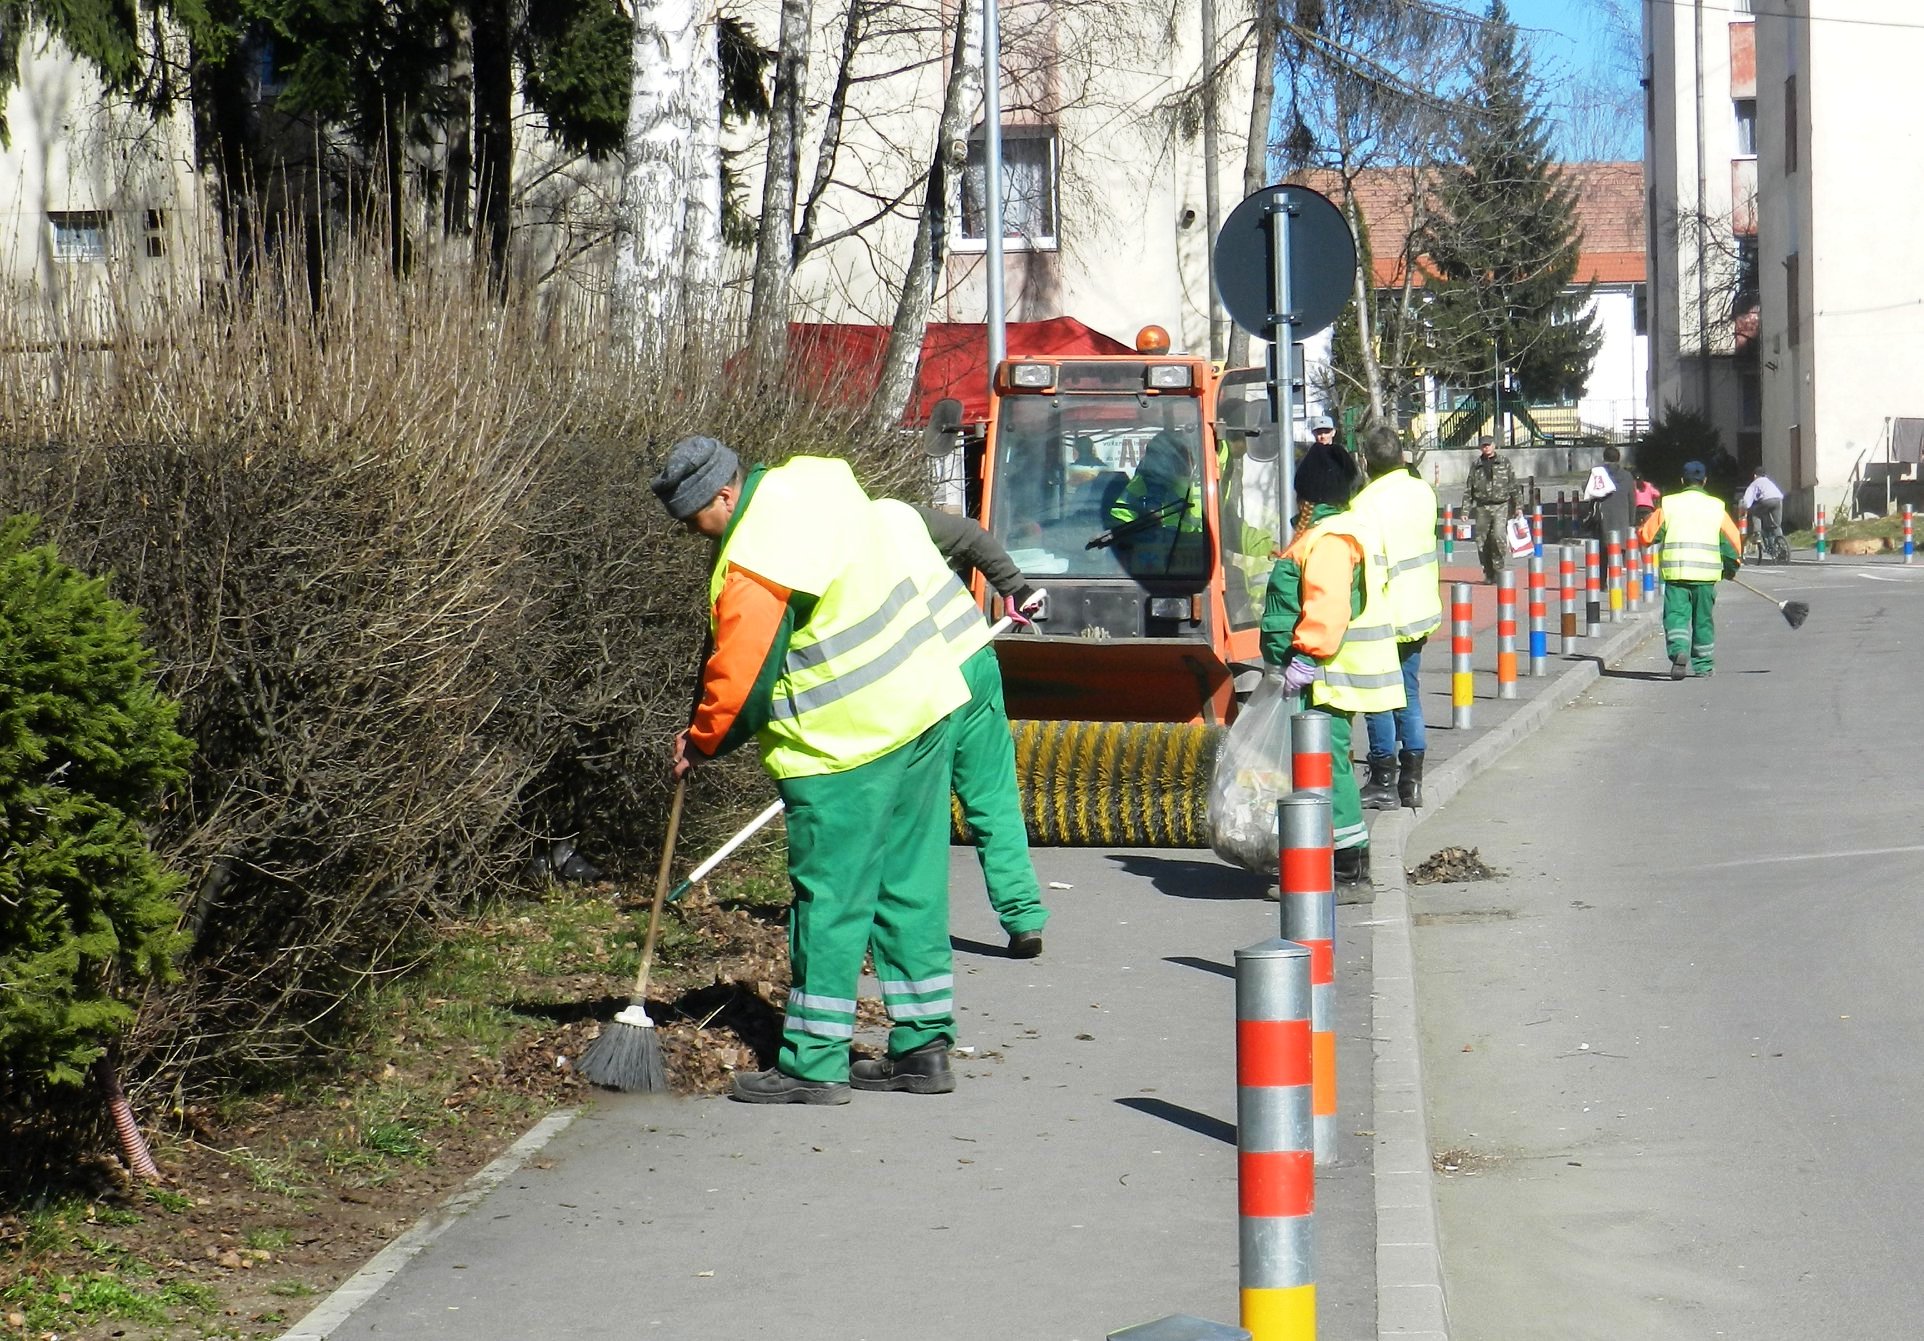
x=1256, y=444
x=943, y=433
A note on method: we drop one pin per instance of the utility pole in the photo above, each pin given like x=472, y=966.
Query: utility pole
x=1702, y=223
x=1212, y=190
x=992, y=181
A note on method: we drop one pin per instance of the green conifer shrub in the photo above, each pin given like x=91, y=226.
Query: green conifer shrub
x=87, y=746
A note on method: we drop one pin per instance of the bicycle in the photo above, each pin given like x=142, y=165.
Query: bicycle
x=1761, y=549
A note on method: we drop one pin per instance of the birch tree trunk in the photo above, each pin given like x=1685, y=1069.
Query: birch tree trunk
x=647, y=291
x=1256, y=151
x=775, y=242
x=904, y=352
x=701, y=239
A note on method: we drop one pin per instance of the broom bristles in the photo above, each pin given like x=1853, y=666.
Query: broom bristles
x=626, y=1056
x=1795, y=613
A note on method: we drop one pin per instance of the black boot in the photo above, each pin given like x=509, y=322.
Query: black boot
x=1409, y=787
x=1353, y=875
x=1380, y=794
x=924, y=1071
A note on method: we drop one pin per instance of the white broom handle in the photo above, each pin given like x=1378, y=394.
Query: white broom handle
x=754, y=826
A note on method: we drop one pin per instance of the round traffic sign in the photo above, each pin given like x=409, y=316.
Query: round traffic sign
x=1322, y=260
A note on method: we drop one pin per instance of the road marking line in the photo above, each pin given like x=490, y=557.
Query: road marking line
x=1814, y=856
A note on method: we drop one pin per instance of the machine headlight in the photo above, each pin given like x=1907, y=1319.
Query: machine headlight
x=1170, y=607
x=1032, y=376
x=1169, y=376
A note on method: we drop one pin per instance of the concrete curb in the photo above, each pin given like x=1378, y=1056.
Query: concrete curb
x=1410, y=1300
x=364, y=1284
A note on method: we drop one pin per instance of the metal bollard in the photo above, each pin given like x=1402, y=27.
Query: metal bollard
x=1743, y=532
x=1909, y=548
x=1506, y=633
x=1613, y=576
x=1310, y=767
x=1632, y=572
x=1539, y=634
x=1307, y=865
x=1275, y=1157
x=1462, y=679
x=1651, y=582
x=1592, y=589
x=1449, y=532
x=1567, y=591
x=1823, y=535
x=1536, y=530
x=1562, y=531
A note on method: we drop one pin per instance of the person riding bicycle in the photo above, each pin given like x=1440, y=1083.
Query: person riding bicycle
x=1763, y=503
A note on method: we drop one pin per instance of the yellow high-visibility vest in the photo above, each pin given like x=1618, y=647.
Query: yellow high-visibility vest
x=1403, y=510
x=1692, y=535
x=956, y=613
x=868, y=670
x=1365, y=675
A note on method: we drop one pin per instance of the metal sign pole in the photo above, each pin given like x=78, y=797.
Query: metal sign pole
x=992, y=180
x=1282, y=338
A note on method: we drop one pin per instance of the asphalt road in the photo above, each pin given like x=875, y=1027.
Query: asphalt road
x=1673, y=1052
x=1081, y=1179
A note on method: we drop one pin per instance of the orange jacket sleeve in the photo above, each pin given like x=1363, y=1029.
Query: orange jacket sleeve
x=1733, y=535
x=1329, y=580
x=748, y=623
x=1652, y=526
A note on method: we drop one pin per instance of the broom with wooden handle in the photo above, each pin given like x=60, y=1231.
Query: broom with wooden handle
x=1794, y=612
x=626, y=1055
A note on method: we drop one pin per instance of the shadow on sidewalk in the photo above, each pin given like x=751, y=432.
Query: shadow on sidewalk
x=1186, y=1118
x=1183, y=878
x=1206, y=965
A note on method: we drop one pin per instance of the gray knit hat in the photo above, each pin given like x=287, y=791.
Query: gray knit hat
x=695, y=471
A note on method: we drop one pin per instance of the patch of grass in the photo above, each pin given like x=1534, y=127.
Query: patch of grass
x=58, y=1302
x=291, y=1289
x=268, y=1240
x=280, y=1176
x=175, y=1203
x=112, y=1215
x=397, y=1140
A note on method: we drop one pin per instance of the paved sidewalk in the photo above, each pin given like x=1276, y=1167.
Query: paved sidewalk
x=1081, y=1179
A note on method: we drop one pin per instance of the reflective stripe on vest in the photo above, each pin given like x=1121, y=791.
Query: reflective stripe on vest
x=869, y=670
x=1692, y=531
x=957, y=617
x=1365, y=675
x=1403, y=510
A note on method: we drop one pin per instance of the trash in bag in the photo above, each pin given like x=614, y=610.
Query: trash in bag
x=1252, y=775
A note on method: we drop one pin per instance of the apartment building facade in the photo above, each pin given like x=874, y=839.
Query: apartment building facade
x=1818, y=300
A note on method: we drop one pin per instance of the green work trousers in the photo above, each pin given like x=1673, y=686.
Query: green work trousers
x=1345, y=800
x=1689, y=622
x=868, y=854
x=985, y=783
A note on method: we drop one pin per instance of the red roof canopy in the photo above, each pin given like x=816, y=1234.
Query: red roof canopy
x=846, y=361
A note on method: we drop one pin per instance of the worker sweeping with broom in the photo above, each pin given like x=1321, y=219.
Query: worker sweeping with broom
x=1327, y=622
x=1700, y=546
x=827, y=653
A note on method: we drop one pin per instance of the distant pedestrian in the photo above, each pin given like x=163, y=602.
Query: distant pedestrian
x=1700, y=547
x=1611, y=493
x=1403, y=510
x=1493, y=496
x=1645, y=500
x=1763, y=503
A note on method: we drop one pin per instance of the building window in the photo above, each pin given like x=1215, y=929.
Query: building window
x=79, y=235
x=1639, y=309
x=1793, y=299
x=1741, y=7
x=1746, y=109
x=156, y=232
x=1029, y=170
x=1790, y=124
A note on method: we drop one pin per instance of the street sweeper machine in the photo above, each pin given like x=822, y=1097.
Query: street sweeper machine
x=1141, y=493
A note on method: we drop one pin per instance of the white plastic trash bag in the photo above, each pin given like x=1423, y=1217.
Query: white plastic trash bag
x=1521, y=542
x=1252, y=775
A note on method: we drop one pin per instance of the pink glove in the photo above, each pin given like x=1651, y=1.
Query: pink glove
x=1299, y=674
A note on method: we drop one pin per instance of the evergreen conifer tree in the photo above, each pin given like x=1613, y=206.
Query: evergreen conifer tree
x=87, y=743
x=1504, y=240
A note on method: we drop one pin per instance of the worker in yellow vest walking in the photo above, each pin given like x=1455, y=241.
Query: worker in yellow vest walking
x=1327, y=623
x=1701, y=545
x=1403, y=510
x=826, y=653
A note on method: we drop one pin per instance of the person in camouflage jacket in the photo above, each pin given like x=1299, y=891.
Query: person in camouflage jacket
x=1493, y=496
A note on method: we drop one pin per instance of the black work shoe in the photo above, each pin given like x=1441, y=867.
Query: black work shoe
x=1353, y=875
x=924, y=1071
x=1025, y=944
x=1679, y=665
x=1409, y=782
x=1380, y=792
x=777, y=1087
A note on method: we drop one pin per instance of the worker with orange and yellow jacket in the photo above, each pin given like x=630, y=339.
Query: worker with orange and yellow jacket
x=1327, y=623
x=1700, y=546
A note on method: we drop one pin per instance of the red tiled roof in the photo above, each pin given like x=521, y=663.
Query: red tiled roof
x=1610, y=198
